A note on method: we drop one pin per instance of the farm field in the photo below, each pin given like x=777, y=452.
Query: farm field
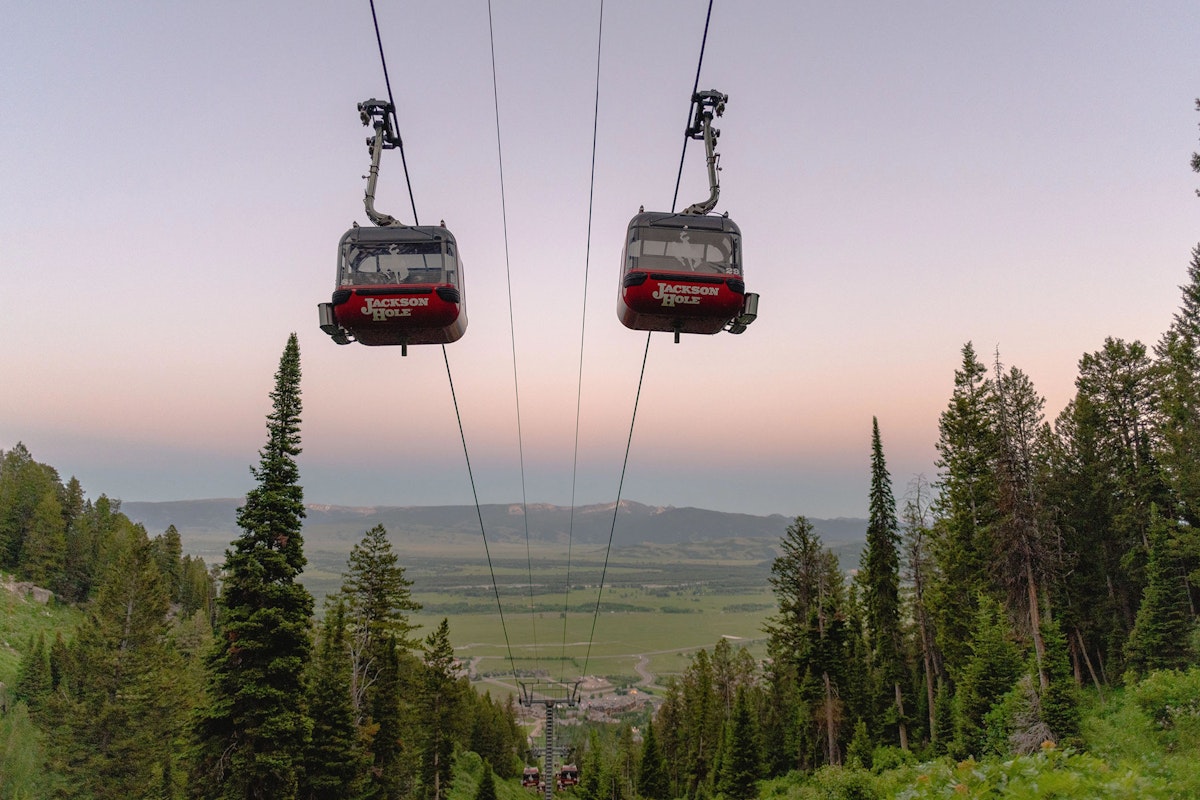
x=660, y=603
x=651, y=619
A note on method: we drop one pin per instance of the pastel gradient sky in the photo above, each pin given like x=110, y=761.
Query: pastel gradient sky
x=174, y=179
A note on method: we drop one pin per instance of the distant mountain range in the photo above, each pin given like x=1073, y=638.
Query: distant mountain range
x=635, y=523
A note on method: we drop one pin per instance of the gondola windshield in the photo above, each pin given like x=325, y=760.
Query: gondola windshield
x=656, y=248
x=371, y=263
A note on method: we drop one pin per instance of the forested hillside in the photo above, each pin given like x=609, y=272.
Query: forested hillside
x=1037, y=600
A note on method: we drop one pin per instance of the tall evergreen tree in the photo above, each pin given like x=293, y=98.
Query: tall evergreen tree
x=652, y=782
x=24, y=483
x=672, y=741
x=1026, y=544
x=34, y=679
x=253, y=733
x=168, y=552
x=880, y=578
x=390, y=773
x=808, y=635
x=439, y=710
x=378, y=604
x=1107, y=465
x=118, y=710
x=1161, y=635
x=702, y=722
x=994, y=666
x=495, y=734
x=797, y=576
x=1060, y=699
x=918, y=570
x=45, y=548
x=335, y=764
x=1179, y=390
x=487, y=784
x=740, y=765
x=965, y=507
x=1088, y=588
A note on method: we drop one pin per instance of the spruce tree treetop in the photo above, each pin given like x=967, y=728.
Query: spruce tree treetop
x=881, y=558
x=252, y=736
x=274, y=509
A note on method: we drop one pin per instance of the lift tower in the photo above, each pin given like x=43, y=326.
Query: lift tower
x=551, y=695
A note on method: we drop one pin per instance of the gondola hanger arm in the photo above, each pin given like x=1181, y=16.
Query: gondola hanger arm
x=381, y=116
x=707, y=104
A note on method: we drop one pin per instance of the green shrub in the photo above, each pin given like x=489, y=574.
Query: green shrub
x=889, y=757
x=1172, y=701
x=844, y=783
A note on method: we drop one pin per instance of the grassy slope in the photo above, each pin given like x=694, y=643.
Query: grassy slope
x=20, y=620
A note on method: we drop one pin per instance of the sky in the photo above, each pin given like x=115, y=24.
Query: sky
x=908, y=177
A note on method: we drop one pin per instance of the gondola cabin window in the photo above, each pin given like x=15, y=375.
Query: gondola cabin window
x=661, y=249
x=399, y=263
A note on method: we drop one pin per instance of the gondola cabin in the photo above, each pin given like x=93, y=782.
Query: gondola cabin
x=683, y=273
x=397, y=285
x=531, y=778
x=568, y=776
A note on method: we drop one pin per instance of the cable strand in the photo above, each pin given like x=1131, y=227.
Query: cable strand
x=587, y=259
x=512, y=328
x=388, y=83
x=479, y=512
x=617, y=507
x=688, y=122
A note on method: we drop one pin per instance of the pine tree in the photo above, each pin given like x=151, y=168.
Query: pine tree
x=168, y=552
x=1117, y=480
x=1088, y=586
x=119, y=707
x=740, y=765
x=45, y=548
x=335, y=764
x=880, y=578
x=809, y=635
x=671, y=738
x=1178, y=367
x=389, y=774
x=495, y=734
x=994, y=666
x=965, y=507
x=1026, y=543
x=24, y=483
x=439, y=709
x=652, y=782
x=591, y=786
x=378, y=603
x=254, y=731
x=796, y=579
x=1060, y=699
x=702, y=724
x=33, y=674
x=487, y=785
x=918, y=571
x=1160, y=636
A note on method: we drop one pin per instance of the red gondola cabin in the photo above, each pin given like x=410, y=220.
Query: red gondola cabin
x=397, y=285
x=683, y=273
x=568, y=776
